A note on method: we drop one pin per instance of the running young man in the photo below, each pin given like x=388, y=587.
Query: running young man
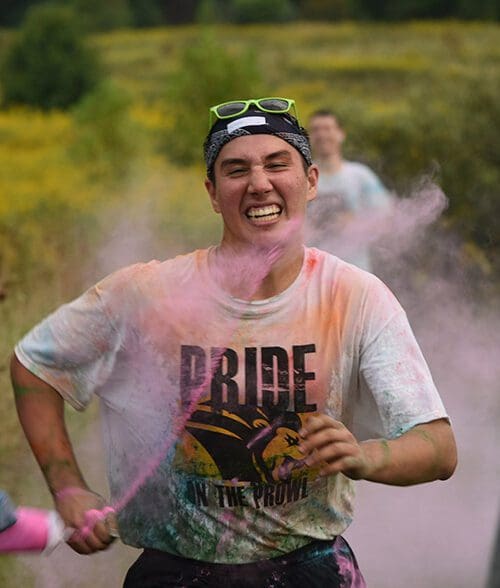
x=243, y=387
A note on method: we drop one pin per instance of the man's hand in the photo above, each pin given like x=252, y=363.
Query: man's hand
x=84, y=511
x=425, y=453
x=329, y=444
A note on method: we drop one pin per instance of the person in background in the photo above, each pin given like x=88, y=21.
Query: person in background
x=351, y=199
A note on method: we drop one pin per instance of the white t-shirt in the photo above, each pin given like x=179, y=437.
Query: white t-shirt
x=203, y=396
x=344, y=200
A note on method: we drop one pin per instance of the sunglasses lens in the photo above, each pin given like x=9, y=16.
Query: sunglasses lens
x=231, y=109
x=275, y=104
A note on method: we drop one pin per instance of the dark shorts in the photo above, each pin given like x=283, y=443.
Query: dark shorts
x=321, y=564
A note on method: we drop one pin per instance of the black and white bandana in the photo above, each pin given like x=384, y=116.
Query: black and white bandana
x=255, y=122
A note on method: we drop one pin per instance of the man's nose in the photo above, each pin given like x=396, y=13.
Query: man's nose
x=259, y=182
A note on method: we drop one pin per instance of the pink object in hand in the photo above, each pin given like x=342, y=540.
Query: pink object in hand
x=34, y=530
x=92, y=517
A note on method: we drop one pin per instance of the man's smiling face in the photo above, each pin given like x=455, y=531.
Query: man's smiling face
x=261, y=189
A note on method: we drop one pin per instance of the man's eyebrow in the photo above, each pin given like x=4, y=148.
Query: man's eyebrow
x=276, y=154
x=243, y=161
x=233, y=161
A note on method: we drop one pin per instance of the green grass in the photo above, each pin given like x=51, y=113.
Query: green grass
x=141, y=60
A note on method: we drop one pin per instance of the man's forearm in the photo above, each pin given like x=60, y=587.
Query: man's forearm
x=41, y=414
x=423, y=454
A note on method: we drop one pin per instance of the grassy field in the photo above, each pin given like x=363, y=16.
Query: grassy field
x=66, y=218
x=378, y=65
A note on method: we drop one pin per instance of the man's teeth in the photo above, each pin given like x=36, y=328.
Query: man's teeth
x=272, y=211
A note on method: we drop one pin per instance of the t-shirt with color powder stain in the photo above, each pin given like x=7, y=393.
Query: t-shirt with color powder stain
x=203, y=396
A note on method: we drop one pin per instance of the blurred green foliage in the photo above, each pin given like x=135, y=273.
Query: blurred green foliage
x=106, y=140
x=96, y=15
x=411, y=9
x=208, y=73
x=139, y=13
x=248, y=11
x=207, y=12
x=327, y=9
x=147, y=13
x=48, y=65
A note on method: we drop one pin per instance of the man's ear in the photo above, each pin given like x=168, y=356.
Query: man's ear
x=312, y=180
x=210, y=187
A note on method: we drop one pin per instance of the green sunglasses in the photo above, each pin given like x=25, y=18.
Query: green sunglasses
x=233, y=108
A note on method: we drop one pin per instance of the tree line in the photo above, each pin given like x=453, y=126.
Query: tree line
x=98, y=15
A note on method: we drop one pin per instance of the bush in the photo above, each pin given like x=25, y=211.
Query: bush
x=49, y=65
x=208, y=75
x=147, y=13
x=327, y=9
x=208, y=12
x=96, y=15
x=248, y=11
x=106, y=140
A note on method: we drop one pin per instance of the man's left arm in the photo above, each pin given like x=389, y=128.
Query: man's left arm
x=425, y=453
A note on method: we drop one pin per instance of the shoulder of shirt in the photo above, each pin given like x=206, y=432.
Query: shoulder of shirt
x=135, y=275
x=360, y=291
x=360, y=168
x=344, y=274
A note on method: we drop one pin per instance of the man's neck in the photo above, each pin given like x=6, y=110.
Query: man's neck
x=330, y=164
x=252, y=273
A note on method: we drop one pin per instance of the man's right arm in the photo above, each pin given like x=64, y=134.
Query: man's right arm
x=41, y=413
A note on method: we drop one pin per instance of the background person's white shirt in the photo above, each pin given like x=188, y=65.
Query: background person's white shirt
x=345, y=200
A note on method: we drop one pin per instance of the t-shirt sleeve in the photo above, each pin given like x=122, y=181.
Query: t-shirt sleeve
x=396, y=389
x=73, y=349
